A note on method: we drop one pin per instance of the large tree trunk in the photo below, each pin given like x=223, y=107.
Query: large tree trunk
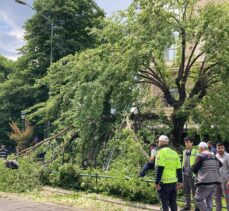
x=178, y=130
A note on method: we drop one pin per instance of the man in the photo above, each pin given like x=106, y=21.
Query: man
x=211, y=147
x=206, y=168
x=3, y=152
x=189, y=158
x=150, y=164
x=223, y=187
x=168, y=173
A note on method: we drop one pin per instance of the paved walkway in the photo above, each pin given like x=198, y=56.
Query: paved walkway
x=17, y=204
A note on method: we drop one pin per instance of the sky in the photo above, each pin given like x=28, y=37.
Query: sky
x=14, y=15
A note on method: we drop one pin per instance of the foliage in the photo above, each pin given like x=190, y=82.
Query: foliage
x=20, y=136
x=131, y=50
x=83, y=93
x=73, y=20
x=212, y=114
x=121, y=180
x=26, y=178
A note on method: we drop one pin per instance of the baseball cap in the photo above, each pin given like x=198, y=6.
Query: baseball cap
x=163, y=138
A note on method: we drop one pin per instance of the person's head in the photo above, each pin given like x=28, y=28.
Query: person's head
x=152, y=146
x=202, y=146
x=163, y=140
x=3, y=146
x=220, y=148
x=188, y=142
x=210, y=144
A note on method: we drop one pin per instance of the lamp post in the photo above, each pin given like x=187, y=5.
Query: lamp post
x=48, y=19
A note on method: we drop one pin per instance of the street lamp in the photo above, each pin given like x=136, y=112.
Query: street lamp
x=48, y=19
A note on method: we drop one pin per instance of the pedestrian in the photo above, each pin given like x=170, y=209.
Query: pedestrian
x=189, y=157
x=168, y=174
x=211, y=147
x=223, y=187
x=3, y=152
x=206, y=168
x=150, y=164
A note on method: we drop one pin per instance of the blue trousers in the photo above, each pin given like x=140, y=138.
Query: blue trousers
x=146, y=167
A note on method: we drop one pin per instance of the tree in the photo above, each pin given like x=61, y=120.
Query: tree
x=20, y=136
x=83, y=87
x=212, y=114
x=72, y=23
x=73, y=20
x=201, y=38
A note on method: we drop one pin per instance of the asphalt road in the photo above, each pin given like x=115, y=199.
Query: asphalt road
x=17, y=204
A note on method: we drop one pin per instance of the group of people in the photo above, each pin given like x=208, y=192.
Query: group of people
x=202, y=174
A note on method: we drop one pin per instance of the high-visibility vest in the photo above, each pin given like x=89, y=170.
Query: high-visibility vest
x=169, y=159
x=193, y=156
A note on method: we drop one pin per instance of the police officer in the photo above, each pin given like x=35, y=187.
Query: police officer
x=168, y=173
x=189, y=157
x=206, y=168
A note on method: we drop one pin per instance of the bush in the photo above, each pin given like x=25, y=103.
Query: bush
x=26, y=178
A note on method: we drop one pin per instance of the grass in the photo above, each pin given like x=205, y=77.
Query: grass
x=88, y=201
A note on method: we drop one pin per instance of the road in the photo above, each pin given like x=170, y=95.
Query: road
x=17, y=204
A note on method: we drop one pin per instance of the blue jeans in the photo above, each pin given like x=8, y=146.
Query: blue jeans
x=146, y=167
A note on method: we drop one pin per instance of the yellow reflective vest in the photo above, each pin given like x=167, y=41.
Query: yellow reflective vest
x=169, y=159
x=193, y=156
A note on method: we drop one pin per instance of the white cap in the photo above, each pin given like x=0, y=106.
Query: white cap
x=163, y=138
x=203, y=144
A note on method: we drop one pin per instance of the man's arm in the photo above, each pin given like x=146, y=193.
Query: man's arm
x=179, y=175
x=159, y=173
x=197, y=165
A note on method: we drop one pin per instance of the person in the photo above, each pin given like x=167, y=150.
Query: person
x=3, y=152
x=150, y=164
x=12, y=164
x=206, y=168
x=223, y=187
x=168, y=174
x=211, y=147
x=189, y=157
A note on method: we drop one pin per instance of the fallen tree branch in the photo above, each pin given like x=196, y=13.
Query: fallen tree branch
x=27, y=150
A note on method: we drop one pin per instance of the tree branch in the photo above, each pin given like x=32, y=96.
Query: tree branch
x=194, y=60
x=152, y=80
x=188, y=67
